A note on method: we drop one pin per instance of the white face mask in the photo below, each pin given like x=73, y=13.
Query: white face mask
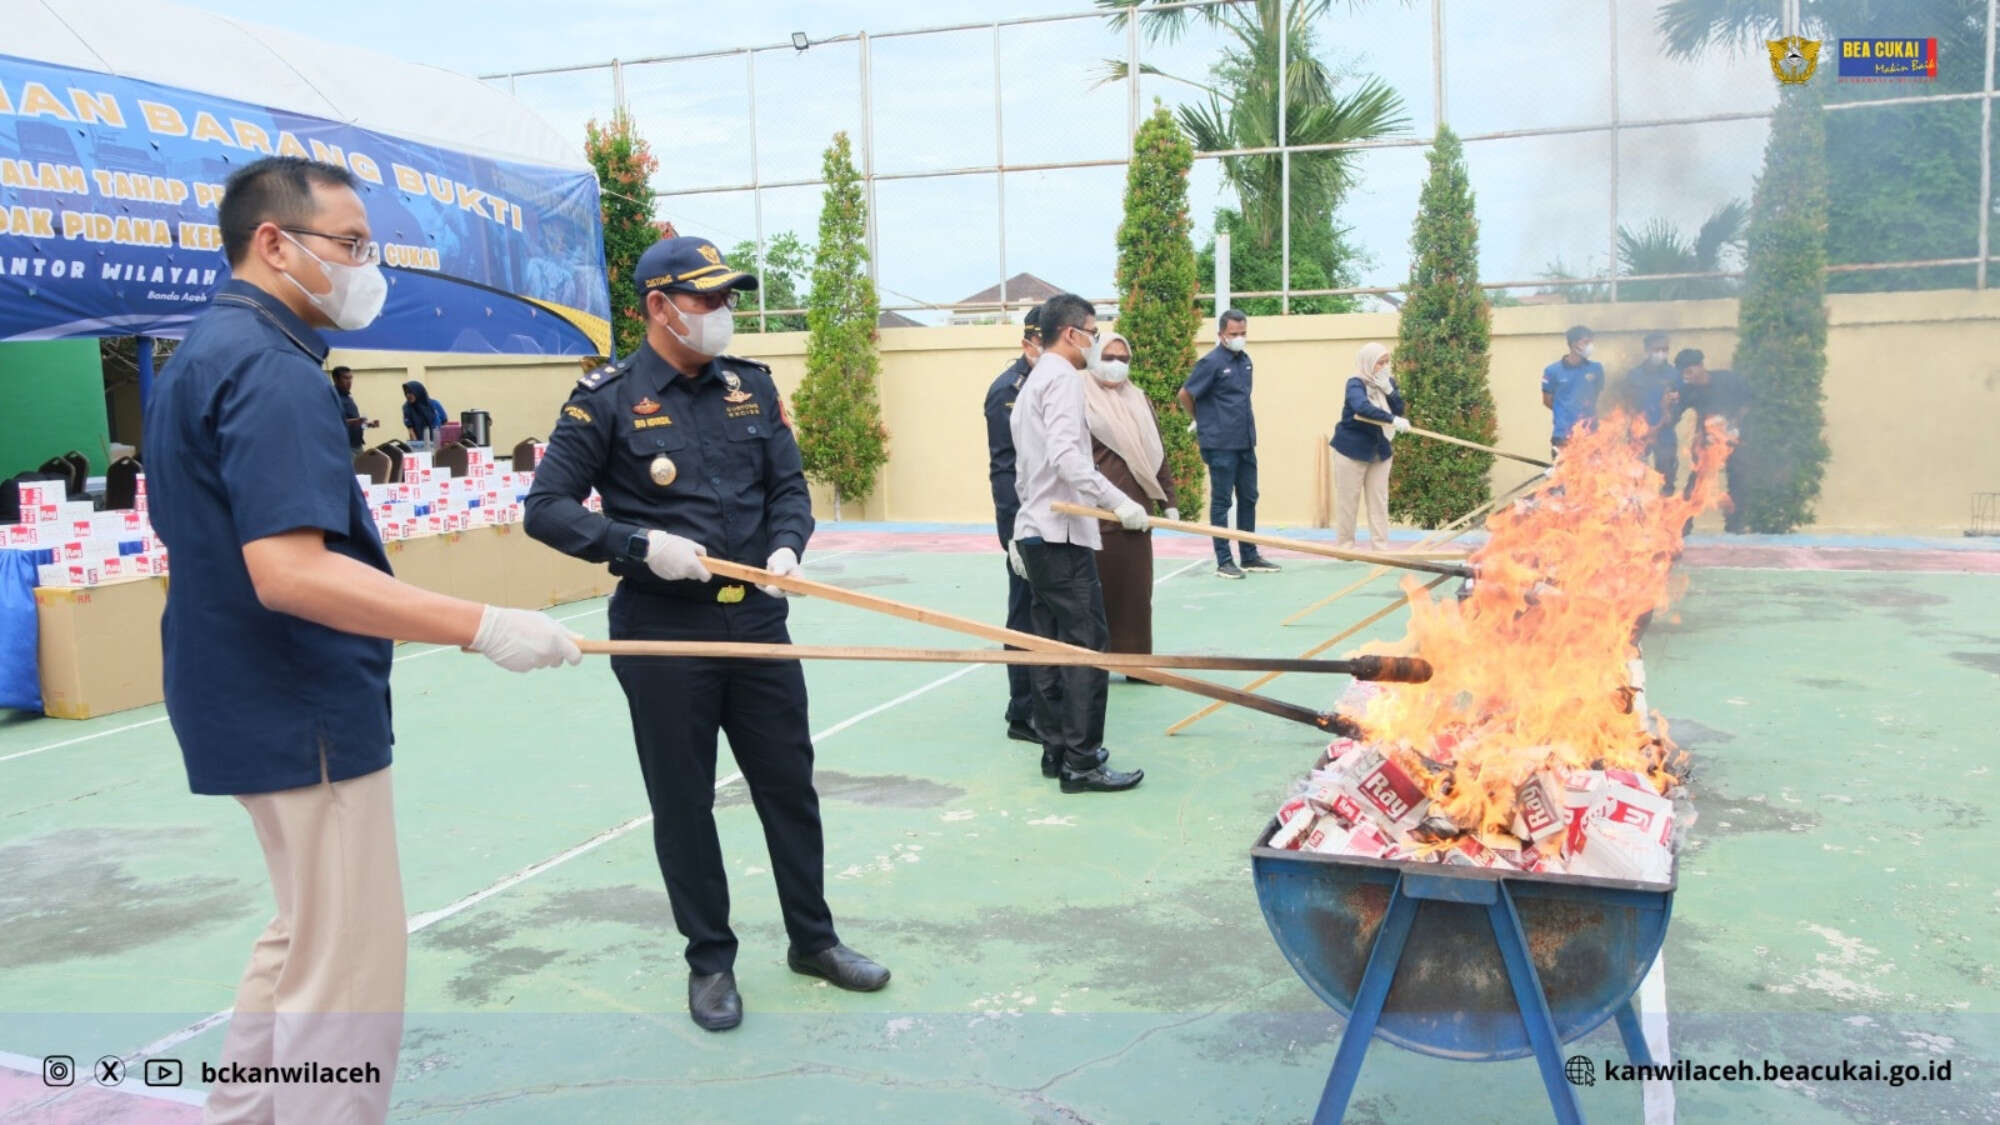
x=1113, y=371
x=1235, y=343
x=1093, y=348
x=1658, y=358
x=357, y=294
x=708, y=333
x=1586, y=349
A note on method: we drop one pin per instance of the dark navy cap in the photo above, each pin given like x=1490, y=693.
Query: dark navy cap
x=689, y=265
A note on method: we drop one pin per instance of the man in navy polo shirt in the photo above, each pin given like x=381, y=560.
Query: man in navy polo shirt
x=276, y=634
x=1217, y=393
x=1570, y=387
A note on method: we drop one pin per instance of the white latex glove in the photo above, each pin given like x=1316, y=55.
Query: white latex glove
x=1173, y=513
x=1402, y=424
x=674, y=558
x=784, y=562
x=1131, y=515
x=521, y=639
x=1191, y=426
x=1014, y=562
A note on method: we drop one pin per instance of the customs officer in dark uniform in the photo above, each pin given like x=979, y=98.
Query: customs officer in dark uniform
x=693, y=455
x=1006, y=504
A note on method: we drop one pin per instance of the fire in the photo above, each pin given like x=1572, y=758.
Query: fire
x=1533, y=668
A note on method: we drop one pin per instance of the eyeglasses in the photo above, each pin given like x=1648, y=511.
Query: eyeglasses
x=708, y=302
x=360, y=251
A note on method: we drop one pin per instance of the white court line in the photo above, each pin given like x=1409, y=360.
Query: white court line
x=398, y=660
x=430, y=918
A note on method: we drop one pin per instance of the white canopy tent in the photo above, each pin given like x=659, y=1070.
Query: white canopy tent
x=176, y=45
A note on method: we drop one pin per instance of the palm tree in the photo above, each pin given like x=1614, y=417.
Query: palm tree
x=1242, y=110
x=1659, y=247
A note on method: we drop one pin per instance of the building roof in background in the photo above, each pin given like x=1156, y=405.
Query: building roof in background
x=896, y=320
x=191, y=49
x=1022, y=287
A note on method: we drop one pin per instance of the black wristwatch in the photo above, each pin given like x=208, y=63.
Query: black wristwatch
x=636, y=546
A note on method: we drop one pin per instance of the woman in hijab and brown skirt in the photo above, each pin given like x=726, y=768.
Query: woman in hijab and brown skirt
x=1125, y=442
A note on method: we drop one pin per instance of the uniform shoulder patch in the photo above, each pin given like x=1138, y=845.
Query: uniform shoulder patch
x=578, y=413
x=739, y=360
x=605, y=374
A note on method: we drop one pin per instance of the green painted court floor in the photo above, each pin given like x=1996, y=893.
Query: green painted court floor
x=1057, y=958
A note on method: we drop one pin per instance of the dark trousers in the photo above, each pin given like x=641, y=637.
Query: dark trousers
x=1020, y=701
x=1667, y=459
x=678, y=704
x=1232, y=474
x=1069, y=607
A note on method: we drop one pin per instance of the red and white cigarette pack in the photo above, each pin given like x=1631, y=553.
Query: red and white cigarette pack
x=27, y=536
x=37, y=493
x=1538, y=809
x=1295, y=817
x=1385, y=792
x=1627, y=834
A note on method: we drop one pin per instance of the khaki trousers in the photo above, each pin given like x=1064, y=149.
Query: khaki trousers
x=325, y=982
x=1354, y=481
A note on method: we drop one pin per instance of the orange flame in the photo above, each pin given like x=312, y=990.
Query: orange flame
x=1531, y=669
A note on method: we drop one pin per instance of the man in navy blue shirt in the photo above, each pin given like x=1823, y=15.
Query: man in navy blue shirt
x=276, y=634
x=1570, y=387
x=1217, y=393
x=1653, y=389
x=1006, y=504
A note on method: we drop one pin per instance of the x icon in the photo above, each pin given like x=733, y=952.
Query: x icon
x=110, y=1070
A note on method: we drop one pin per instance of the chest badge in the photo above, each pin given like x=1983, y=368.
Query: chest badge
x=735, y=384
x=663, y=470
x=646, y=406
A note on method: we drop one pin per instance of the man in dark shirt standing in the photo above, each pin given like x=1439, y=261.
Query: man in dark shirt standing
x=343, y=384
x=1217, y=394
x=277, y=632
x=693, y=455
x=1653, y=389
x=1006, y=504
x=1719, y=394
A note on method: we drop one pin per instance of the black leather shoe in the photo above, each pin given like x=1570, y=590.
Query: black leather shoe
x=1023, y=732
x=713, y=1002
x=1052, y=761
x=1103, y=779
x=841, y=965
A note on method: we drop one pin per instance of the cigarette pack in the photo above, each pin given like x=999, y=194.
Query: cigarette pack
x=27, y=536
x=1644, y=812
x=1385, y=792
x=35, y=493
x=42, y=513
x=139, y=504
x=85, y=528
x=1295, y=818
x=1326, y=835
x=139, y=485
x=1538, y=809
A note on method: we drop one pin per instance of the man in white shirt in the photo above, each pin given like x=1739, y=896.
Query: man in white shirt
x=1056, y=554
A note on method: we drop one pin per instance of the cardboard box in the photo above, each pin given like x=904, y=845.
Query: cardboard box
x=42, y=513
x=421, y=562
x=28, y=537
x=35, y=493
x=100, y=647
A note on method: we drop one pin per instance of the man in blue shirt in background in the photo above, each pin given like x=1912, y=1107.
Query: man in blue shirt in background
x=1217, y=393
x=1654, y=388
x=277, y=633
x=1570, y=387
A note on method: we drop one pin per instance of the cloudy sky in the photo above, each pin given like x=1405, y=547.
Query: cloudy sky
x=1509, y=66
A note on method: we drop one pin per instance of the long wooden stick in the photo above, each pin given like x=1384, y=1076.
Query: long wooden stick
x=1394, y=669
x=1455, y=529
x=1435, y=436
x=1324, y=720
x=1311, y=652
x=1301, y=546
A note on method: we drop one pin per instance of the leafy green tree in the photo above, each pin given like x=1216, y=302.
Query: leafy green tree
x=1781, y=326
x=1441, y=355
x=1156, y=284
x=1241, y=111
x=787, y=265
x=840, y=431
x=625, y=165
x=1908, y=187
x=1254, y=268
x=1660, y=247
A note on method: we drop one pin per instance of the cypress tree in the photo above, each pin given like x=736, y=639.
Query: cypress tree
x=1156, y=284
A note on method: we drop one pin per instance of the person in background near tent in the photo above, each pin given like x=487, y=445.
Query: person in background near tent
x=1057, y=554
x=422, y=414
x=1361, y=449
x=1217, y=394
x=343, y=383
x=693, y=455
x=1653, y=389
x=1000, y=475
x=1712, y=394
x=280, y=572
x=1570, y=387
x=1125, y=444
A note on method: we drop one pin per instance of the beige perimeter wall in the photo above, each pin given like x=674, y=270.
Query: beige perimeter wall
x=1912, y=400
